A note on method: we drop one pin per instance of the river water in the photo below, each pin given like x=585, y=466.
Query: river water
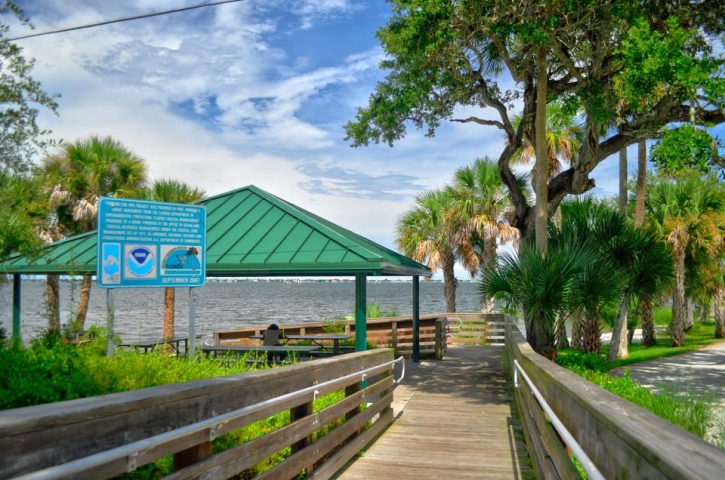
x=227, y=306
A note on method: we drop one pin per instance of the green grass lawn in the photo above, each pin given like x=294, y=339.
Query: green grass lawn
x=701, y=335
x=693, y=413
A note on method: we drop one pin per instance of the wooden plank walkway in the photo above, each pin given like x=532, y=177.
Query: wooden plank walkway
x=454, y=419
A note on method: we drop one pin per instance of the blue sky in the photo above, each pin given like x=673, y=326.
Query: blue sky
x=256, y=92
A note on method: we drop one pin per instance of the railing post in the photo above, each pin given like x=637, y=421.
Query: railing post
x=394, y=338
x=192, y=455
x=440, y=332
x=297, y=413
x=352, y=390
x=416, y=319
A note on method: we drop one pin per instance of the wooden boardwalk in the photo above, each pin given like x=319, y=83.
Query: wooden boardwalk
x=454, y=419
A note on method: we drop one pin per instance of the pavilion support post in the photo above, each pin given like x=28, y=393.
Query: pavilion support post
x=361, y=334
x=416, y=319
x=16, y=307
x=111, y=311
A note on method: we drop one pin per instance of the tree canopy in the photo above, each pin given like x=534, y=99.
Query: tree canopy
x=638, y=66
x=20, y=96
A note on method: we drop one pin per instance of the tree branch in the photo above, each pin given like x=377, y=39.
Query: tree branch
x=480, y=121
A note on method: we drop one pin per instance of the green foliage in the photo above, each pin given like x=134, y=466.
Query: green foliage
x=688, y=411
x=662, y=316
x=23, y=211
x=699, y=336
x=639, y=67
x=169, y=190
x=576, y=360
x=53, y=371
x=683, y=149
x=20, y=97
x=376, y=311
x=541, y=285
x=659, y=62
x=336, y=325
x=692, y=412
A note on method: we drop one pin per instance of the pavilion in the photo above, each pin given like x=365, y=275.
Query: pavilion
x=251, y=233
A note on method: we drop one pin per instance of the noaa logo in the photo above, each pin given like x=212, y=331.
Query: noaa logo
x=140, y=262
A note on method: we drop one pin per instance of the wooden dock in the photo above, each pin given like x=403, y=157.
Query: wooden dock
x=454, y=419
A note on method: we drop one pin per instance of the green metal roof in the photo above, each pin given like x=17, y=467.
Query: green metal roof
x=249, y=233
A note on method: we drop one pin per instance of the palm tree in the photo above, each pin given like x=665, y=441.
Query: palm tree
x=689, y=215
x=564, y=137
x=167, y=190
x=76, y=177
x=540, y=285
x=633, y=256
x=424, y=234
x=481, y=203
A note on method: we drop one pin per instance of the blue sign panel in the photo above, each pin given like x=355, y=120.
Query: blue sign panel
x=150, y=244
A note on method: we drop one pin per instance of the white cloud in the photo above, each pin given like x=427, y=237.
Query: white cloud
x=255, y=92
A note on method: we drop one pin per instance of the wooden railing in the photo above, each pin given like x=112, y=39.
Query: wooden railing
x=395, y=332
x=621, y=439
x=476, y=329
x=113, y=434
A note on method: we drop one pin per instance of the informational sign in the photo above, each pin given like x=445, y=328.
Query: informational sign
x=150, y=244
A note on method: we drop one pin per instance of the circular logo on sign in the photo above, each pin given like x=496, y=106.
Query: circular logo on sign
x=140, y=261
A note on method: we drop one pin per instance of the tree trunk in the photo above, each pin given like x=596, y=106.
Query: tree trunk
x=544, y=336
x=690, y=319
x=529, y=325
x=648, y=323
x=703, y=312
x=641, y=187
x=591, y=335
x=53, y=302
x=718, y=312
x=490, y=248
x=623, y=182
x=541, y=167
x=679, y=307
x=618, y=344
x=83, y=300
x=449, y=282
x=576, y=331
x=169, y=301
x=561, y=339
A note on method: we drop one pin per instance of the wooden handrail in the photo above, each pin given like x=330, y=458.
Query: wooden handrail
x=621, y=439
x=36, y=438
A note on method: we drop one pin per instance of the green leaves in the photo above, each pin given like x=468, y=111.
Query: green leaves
x=686, y=148
x=657, y=64
x=20, y=98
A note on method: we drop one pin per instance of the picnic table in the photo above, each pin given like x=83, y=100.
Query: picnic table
x=275, y=352
x=147, y=345
x=316, y=338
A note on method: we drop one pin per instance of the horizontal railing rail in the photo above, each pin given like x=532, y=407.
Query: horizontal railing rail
x=563, y=412
x=591, y=470
x=394, y=332
x=211, y=427
x=114, y=434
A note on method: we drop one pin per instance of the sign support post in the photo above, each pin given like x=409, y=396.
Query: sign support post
x=192, y=324
x=111, y=312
